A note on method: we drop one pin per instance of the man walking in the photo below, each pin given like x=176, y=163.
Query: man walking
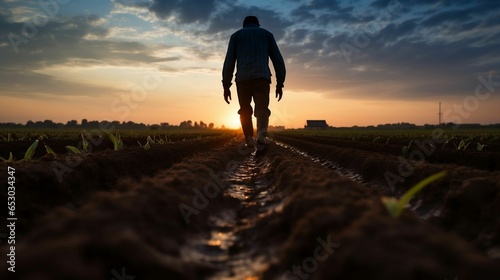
x=251, y=47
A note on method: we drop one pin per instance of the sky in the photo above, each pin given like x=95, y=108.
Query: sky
x=348, y=62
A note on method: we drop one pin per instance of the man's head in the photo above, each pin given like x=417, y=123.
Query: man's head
x=251, y=19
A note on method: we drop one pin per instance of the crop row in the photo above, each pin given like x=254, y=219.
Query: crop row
x=477, y=139
x=464, y=202
x=69, y=180
x=13, y=150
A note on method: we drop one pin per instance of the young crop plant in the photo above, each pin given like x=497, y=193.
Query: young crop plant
x=463, y=145
x=396, y=206
x=10, y=159
x=8, y=139
x=73, y=149
x=480, y=147
x=406, y=149
x=85, y=144
x=150, y=140
x=28, y=156
x=49, y=151
x=147, y=146
x=117, y=141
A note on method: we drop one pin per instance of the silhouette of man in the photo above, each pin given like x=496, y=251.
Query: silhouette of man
x=251, y=47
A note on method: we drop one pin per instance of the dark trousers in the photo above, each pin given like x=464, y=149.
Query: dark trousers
x=258, y=90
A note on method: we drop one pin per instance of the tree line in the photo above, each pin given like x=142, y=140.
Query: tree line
x=49, y=124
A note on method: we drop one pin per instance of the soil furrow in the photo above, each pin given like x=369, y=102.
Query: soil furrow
x=71, y=179
x=249, y=184
x=224, y=214
x=138, y=227
x=466, y=202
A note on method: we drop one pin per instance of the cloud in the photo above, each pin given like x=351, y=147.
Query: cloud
x=184, y=11
x=78, y=38
x=78, y=41
x=232, y=17
x=33, y=85
x=417, y=49
x=324, y=12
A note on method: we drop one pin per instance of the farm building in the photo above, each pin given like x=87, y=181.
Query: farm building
x=316, y=124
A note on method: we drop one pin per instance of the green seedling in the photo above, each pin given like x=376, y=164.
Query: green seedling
x=406, y=149
x=396, y=206
x=73, y=149
x=117, y=142
x=480, y=147
x=146, y=147
x=463, y=145
x=85, y=144
x=10, y=159
x=49, y=151
x=28, y=156
x=8, y=139
x=445, y=144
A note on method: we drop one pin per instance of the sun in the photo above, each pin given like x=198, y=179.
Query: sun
x=233, y=121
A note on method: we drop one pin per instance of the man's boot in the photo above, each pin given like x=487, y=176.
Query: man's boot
x=262, y=141
x=247, y=126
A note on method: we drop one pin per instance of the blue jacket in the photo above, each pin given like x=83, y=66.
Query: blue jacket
x=251, y=47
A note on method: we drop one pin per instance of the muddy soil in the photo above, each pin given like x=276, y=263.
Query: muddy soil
x=68, y=180
x=224, y=214
x=489, y=159
x=466, y=202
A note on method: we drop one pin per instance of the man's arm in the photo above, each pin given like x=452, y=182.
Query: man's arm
x=278, y=63
x=229, y=62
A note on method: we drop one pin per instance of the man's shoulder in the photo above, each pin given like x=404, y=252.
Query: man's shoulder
x=248, y=30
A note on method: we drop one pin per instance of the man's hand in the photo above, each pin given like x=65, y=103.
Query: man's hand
x=279, y=93
x=227, y=95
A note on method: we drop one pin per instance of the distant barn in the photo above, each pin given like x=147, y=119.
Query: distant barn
x=316, y=124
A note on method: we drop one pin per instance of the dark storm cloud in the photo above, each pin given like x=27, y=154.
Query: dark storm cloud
x=63, y=41
x=441, y=3
x=297, y=35
x=394, y=31
x=232, y=19
x=448, y=17
x=429, y=69
x=399, y=49
x=435, y=50
x=322, y=12
x=74, y=41
x=188, y=11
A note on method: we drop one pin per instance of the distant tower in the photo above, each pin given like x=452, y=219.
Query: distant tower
x=440, y=114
